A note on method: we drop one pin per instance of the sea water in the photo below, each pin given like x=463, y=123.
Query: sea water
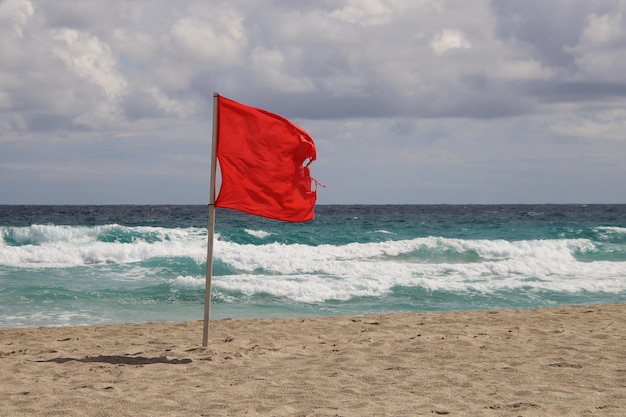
x=81, y=265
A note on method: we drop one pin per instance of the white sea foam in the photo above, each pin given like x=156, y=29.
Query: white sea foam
x=188, y=281
x=614, y=229
x=611, y=233
x=297, y=258
x=315, y=274
x=328, y=272
x=63, y=246
x=258, y=233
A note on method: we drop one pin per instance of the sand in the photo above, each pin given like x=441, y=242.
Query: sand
x=564, y=361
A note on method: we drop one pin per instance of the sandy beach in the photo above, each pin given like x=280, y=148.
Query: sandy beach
x=563, y=361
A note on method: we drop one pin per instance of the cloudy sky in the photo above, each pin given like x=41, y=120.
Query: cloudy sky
x=409, y=101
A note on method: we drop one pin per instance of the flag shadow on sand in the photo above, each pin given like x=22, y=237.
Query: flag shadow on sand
x=121, y=360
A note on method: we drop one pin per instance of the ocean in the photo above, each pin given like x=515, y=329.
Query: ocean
x=86, y=265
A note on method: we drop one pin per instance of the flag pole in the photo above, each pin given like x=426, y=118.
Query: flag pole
x=211, y=226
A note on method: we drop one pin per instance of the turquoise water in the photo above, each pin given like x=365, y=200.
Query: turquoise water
x=78, y=265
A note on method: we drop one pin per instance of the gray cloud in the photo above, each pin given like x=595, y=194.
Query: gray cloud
x=424, y=95
x=544, y=29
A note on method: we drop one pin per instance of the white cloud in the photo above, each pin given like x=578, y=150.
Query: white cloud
x=177, y=108
x=600, y=53
x=604, y=29
x=14, y=14
x=219, y=39
x=91, y=59
x=14, y=17
x=366, y=12
x=269, y=63
x=530, y=69
x=449, y=40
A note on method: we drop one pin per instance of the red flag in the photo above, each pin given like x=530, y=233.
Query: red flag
x=264, y=163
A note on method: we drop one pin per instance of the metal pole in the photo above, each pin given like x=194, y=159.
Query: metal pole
x=211, y=226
